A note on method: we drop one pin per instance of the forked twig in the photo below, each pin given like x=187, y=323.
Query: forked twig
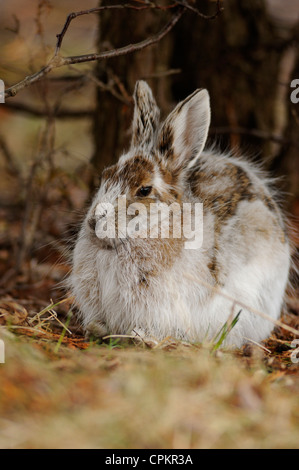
x=126, y=6
x=59, y=61
x=186, y=5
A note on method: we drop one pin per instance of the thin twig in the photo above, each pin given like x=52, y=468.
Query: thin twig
x=50, y=307
x=119, y=336
x=59, y=61
x=254, y=133
x=126, y=96
x=126, y=49
x=33, y=210
x=54, y=314
x=258, y=344
x=64, y=113
x=164, y=73
x=126, y=6
x=186, y=5
x=109, y=88
x=9, y=159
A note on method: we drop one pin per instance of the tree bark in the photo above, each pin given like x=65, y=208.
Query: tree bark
x=236, y=58
x=241, y=57
x=112, y=121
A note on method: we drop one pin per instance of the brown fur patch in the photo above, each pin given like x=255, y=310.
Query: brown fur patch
x=136, y=172
x=109, y=174
x=224, y=206
x=146, y=117
x=166, y=252
x=139, y=171
x=165, y=145
x=171, y=178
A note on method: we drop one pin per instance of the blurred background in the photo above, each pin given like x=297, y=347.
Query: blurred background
x=58, y=134
x=58, y=390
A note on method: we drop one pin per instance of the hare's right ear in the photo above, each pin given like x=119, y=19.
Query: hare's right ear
x=184, y=133
x=146, y=117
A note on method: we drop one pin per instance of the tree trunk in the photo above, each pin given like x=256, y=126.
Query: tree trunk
x=236, y=57
x=241, y=57
x=113, y=118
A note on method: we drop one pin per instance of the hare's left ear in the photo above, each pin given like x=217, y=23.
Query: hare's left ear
x=146, y=117
x=184, y=133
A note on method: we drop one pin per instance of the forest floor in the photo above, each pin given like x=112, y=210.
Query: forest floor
x=58, y=390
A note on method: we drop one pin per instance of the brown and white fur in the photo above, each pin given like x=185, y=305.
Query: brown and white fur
x=122, y=285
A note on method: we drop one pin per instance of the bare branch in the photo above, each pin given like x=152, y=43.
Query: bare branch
x=35, y=193
x=110, y=88
x=164, y=73
x=186, y=5
x=254, y=133
x=11, y=165
x=38, y=112
x=29, y=80
x=126, y=49
x=127, y=6
x=59, y=61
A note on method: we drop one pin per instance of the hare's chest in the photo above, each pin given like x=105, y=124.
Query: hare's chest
x=119, y=280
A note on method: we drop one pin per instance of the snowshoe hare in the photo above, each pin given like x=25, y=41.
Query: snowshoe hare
x=131, y=280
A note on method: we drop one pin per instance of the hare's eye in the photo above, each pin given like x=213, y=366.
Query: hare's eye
x=144, y=191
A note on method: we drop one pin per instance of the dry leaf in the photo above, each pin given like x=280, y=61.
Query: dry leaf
x=12, y=313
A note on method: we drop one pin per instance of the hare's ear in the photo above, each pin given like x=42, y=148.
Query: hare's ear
x=184, y=133
x=146, y=117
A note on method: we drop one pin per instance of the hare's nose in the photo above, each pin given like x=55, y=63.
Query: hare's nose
x=92, y=221
x=100, y=214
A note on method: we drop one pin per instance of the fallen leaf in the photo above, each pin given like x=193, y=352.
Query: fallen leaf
x=12, y=313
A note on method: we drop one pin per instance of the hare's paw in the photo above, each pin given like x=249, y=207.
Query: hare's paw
x=96, y=330
x=143, y=337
